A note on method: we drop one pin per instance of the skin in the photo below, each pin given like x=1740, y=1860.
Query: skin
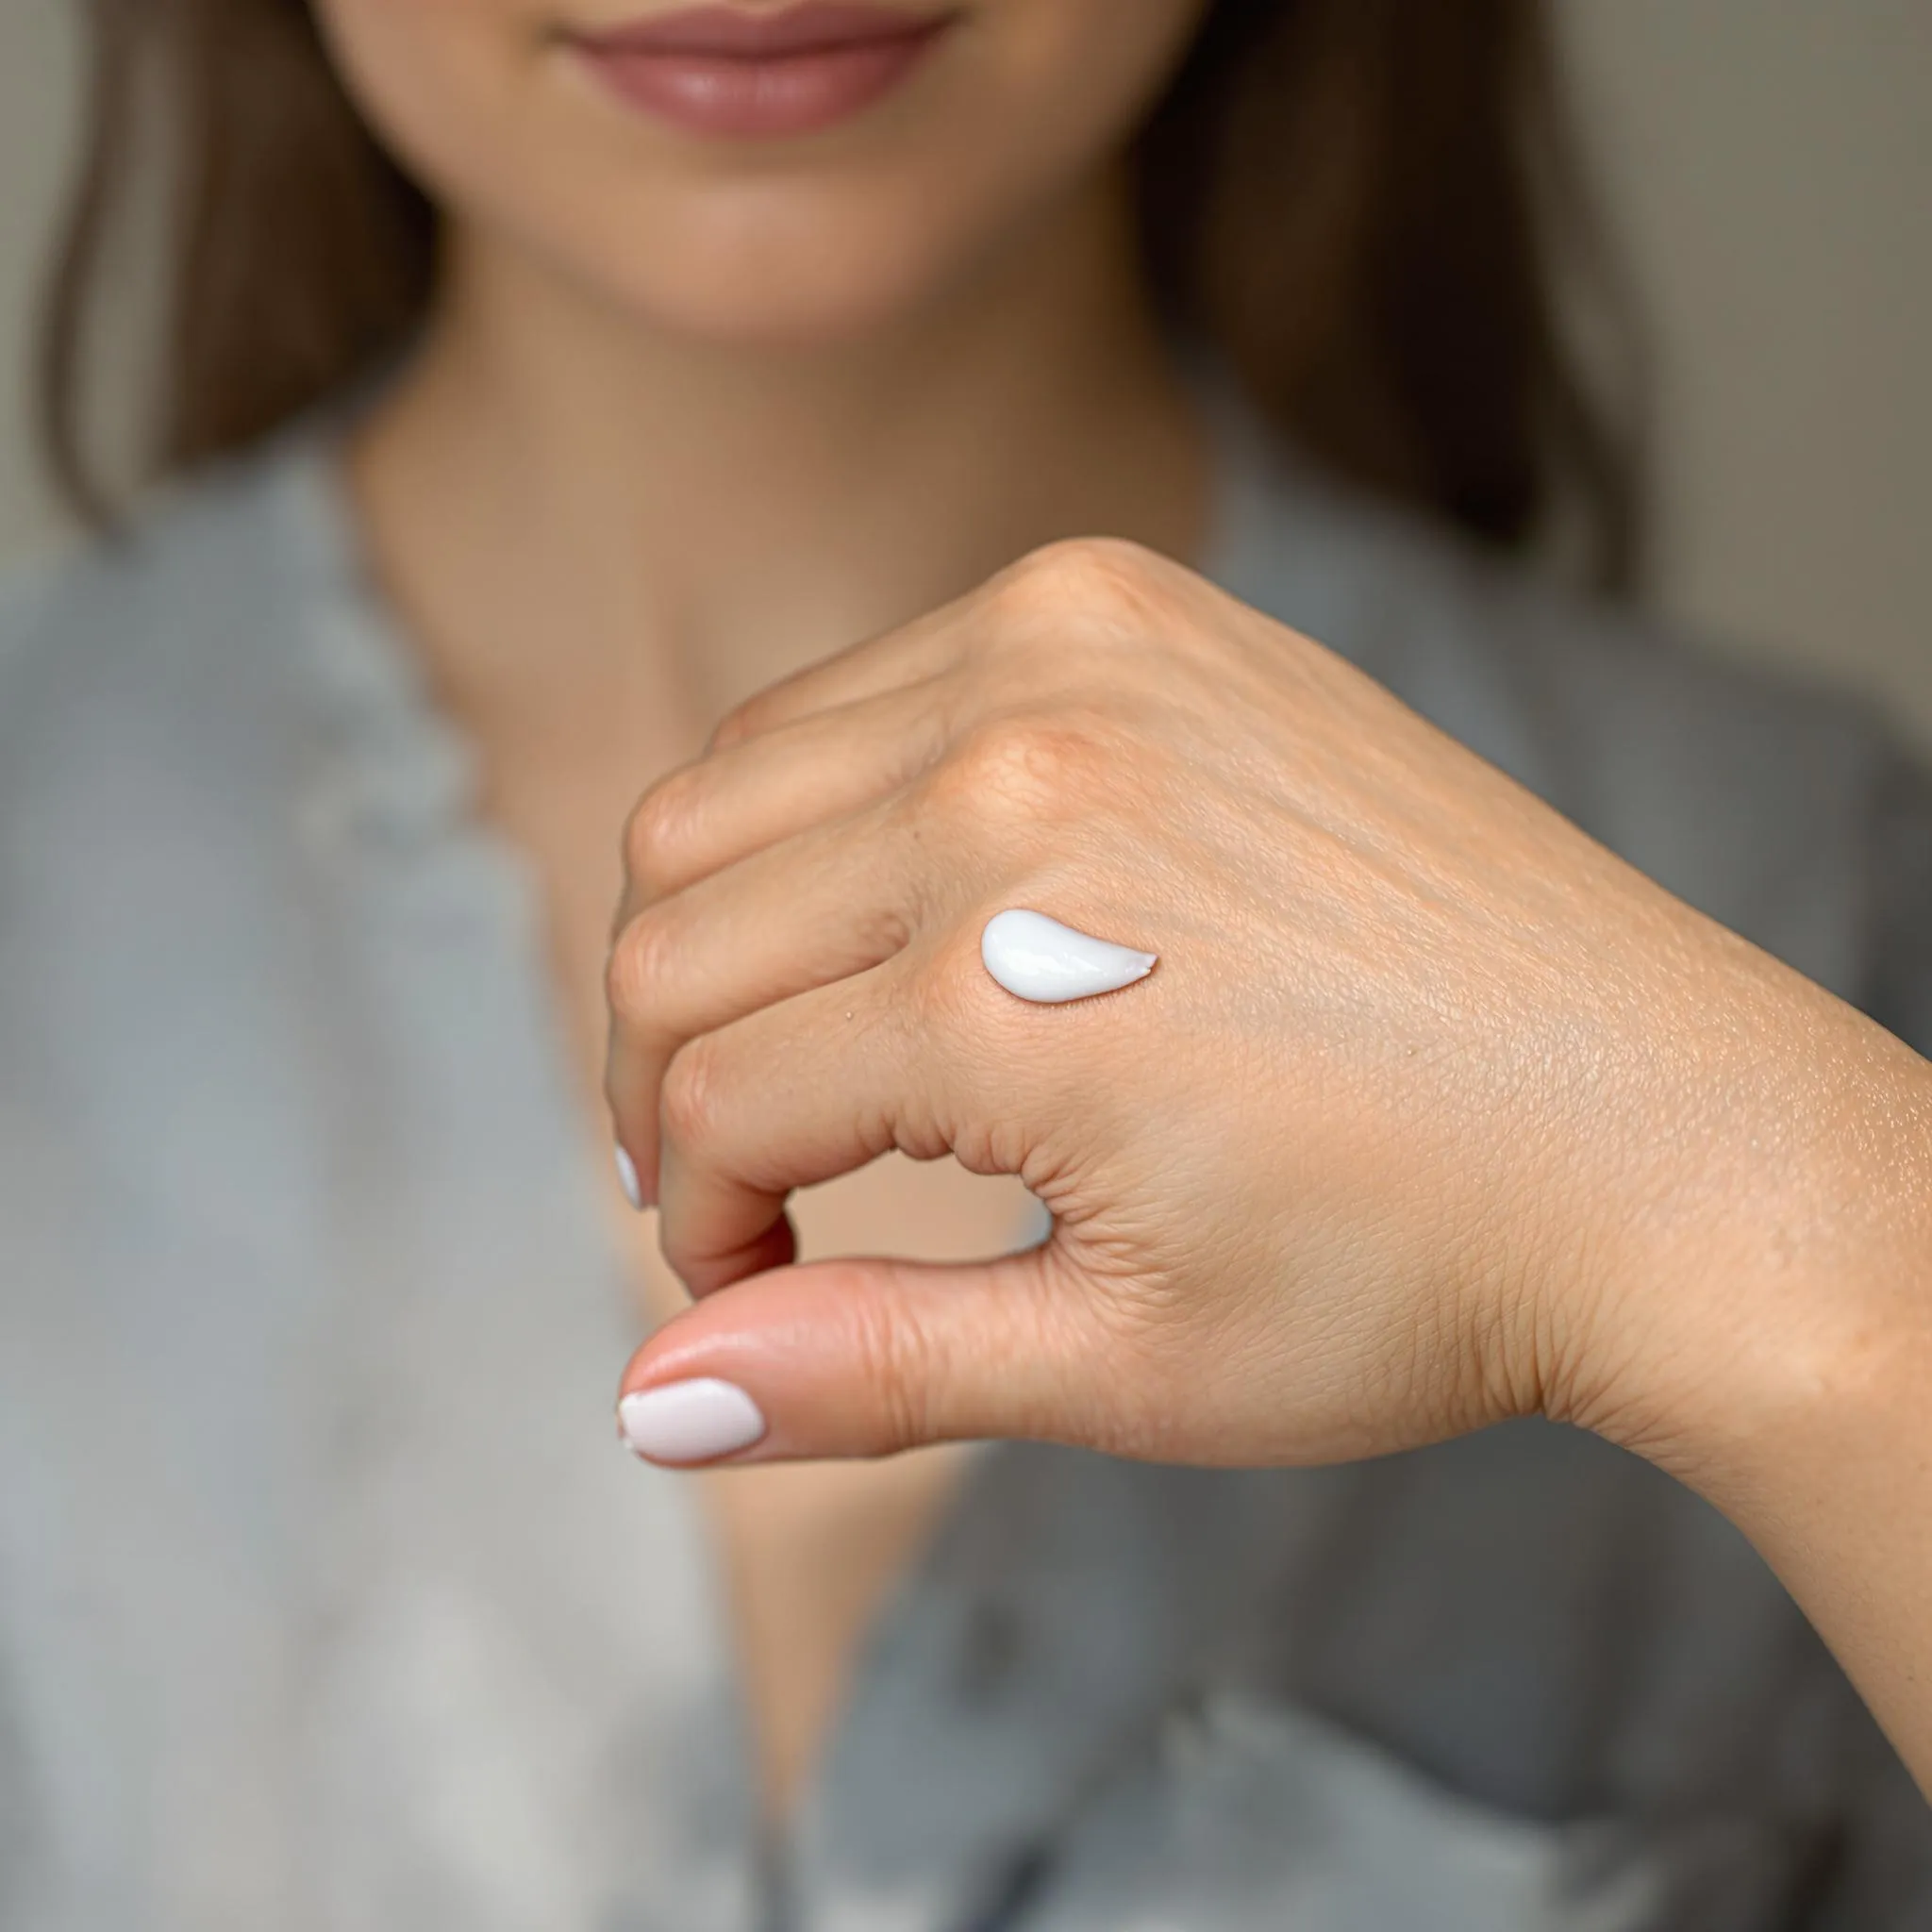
x=688, y=416
x=1434, y=1113
x=691, y=416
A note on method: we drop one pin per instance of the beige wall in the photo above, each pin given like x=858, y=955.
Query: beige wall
x=1769, y=163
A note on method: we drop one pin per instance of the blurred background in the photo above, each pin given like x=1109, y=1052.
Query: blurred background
x=1766, y=165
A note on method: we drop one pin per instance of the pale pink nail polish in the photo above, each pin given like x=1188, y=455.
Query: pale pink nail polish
x=628, y=1181
x=690, y=1422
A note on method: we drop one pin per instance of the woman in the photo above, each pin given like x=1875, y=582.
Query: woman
x=702, y=345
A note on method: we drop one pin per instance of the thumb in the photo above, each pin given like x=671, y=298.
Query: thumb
x=863, y=1357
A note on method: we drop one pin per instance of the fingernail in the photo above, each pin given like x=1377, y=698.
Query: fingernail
x=690, y=1422
x=628, y=1181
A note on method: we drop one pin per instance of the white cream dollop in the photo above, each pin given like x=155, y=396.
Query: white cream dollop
x=1036, y=958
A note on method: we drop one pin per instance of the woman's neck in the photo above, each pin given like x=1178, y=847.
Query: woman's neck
x=570, y=507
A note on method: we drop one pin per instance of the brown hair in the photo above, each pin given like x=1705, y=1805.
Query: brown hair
x=1370, y=209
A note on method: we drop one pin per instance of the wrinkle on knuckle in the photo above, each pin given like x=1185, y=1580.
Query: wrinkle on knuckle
x=638, y=975
x=662, y=831
x=895, y=1362
x=690, y=1104
x=745, y=720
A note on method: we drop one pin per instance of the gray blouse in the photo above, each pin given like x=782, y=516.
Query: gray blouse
x=325, y=1599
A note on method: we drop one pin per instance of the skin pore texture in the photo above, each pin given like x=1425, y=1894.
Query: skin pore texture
x=693, y=414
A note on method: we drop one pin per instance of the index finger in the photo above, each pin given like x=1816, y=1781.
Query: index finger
x=825, y=1082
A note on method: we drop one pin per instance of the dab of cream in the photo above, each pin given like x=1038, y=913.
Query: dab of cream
x=1038, y=958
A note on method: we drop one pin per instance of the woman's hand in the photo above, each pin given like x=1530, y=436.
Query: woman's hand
x=1433, y=1111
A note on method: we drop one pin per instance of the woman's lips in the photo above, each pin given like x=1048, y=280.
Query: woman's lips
x=719, y=70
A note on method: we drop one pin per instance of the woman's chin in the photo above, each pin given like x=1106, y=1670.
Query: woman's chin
x=750, y=318
x=774, y=305
x=803, y=270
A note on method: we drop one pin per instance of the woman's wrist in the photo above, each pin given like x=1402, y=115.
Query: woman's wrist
x=1780, y=1362
x=1780, y=1270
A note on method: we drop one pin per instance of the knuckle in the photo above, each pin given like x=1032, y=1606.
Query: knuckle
x=691, y=1103
x=661, y=832
x=1025, y=767
x=638, y=975
x=896, y=1363
x=1080, y=578
x=736, y=726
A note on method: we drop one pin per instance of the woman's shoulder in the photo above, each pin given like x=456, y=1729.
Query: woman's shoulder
x=203, y=669
x=200, y=722
x=1757, y=792
x=198, y=569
